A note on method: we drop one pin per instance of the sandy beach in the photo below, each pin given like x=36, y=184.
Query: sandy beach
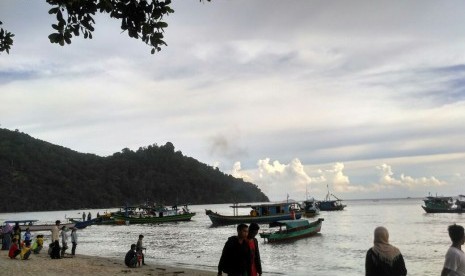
x=41, y=264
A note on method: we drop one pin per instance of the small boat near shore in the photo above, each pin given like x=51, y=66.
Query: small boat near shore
x=259, y=213
x=31, y=224
x=294, y=229
x=444, y=204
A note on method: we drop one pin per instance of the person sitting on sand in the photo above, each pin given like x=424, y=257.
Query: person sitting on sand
x=38, y=244
x=14, y=249
x=131, y=257
x=25, y=250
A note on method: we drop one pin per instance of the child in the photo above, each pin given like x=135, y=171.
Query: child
x=26, y=250
x=38, y=244
x=14, y=250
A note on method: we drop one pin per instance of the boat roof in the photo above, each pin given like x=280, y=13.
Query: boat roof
x=290, y=223
x=21, y=221
x=284, y=203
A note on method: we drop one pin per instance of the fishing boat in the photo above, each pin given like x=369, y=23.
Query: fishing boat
x=294, y=229
x=329, y=204
x=310, y=208
x=152, y=214
x=444, y=204
x=259, y=213
x=31, y=224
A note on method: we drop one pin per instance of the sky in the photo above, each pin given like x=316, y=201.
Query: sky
x=364, y=98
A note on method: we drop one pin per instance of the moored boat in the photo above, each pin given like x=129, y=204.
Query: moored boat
x=152, y=214
x=31, y=224
x=310, y=208
x=294, y=229
x=443, y=204
x=259, y=213
x=329, y=204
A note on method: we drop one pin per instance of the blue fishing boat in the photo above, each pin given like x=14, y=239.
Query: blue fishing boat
x=294, y=229
x=259, y=213
x=310, y=208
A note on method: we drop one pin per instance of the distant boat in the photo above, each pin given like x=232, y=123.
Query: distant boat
x=31, y=224
x=329, y=204
x=443, y=204
x=152, y=214
x=259, y=213
x=310, y=208
x=295, y=229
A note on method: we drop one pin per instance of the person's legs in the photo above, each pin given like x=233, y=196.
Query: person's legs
x=73, y=249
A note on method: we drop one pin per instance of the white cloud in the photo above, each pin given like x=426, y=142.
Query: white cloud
x=388, y=179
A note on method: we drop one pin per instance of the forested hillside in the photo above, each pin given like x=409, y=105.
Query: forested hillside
x=36, y=175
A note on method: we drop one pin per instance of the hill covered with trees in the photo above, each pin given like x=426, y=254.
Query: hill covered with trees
x=36, y=175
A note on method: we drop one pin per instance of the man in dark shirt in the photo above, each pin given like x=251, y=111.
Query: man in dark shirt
x=235, y=259
x=131, y=257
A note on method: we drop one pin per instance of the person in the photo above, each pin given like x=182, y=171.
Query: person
x=64, y=241
x=131, y=257
x=235, y=258
x=7, y=231
x=14, y=249
x=255, y=262
x=73, y=241
x=454, y=263
x=139, y=248
x=17, y=233
x=28, y=236
x=25, y=250
x=54, y=250
x=89, y=216
x=383, y=259
x=56, y=231
x=38, y=244
x=83, y=216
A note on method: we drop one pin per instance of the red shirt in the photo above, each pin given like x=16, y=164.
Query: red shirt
x=253, y=269
x=13, y=249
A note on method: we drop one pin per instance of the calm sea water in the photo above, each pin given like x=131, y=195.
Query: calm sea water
x=338, y=250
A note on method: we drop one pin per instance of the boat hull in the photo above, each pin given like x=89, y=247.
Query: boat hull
x=293, y=234
x=144, y=220
x=442, y=210
x=332, y=205
x=45, y=227
x=218, y=219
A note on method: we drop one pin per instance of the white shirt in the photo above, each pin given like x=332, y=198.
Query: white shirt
x=455, y=261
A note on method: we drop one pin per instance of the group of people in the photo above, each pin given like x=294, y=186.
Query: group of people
x=241, y=256
x=57, y=251
x=11, y=241
x=135, y=255
x=384, y=259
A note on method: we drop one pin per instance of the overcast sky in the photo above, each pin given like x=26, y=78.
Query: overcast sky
x=367, y=97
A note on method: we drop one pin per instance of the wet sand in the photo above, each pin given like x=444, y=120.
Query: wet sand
x=41, y=264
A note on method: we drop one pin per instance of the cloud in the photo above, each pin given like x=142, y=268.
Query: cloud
x=388, y=180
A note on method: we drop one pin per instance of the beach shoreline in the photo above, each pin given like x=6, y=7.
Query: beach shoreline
x=42, y=264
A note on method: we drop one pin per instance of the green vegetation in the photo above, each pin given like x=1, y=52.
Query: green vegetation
x=36, y=175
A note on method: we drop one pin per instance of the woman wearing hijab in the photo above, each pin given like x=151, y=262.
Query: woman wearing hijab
x=384, y=259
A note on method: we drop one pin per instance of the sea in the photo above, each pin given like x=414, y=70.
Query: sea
x=338, y=250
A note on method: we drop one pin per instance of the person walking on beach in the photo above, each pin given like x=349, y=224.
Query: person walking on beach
x=255, y=262
x=131, y=257
x=455, y=257
x=56, y=231
x=89, y=216
x=83, y=216
x=64, y=241
x=73, y=241
x=140, y=247
x=235, y=258
x=17, y=233
x=383, y=259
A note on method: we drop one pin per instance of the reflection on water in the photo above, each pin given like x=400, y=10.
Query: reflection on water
x=338, y=250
